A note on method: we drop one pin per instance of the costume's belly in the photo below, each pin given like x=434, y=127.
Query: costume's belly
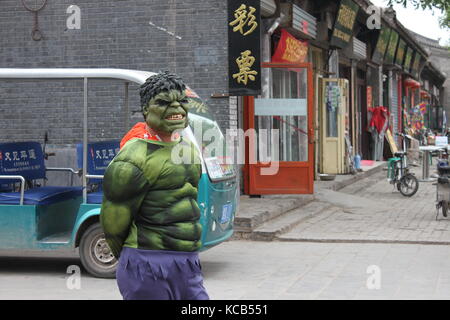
x=168, y=220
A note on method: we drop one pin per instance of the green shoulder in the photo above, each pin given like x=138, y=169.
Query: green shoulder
x=137, y=165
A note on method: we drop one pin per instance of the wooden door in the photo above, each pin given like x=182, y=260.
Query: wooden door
x=280, y=143
x=333, y=109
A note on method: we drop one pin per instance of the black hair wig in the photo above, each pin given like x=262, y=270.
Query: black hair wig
x=162, y=81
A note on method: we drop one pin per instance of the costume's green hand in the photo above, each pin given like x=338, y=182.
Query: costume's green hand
x=116, y=221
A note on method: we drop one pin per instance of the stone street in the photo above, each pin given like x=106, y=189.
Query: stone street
x=370, y=242
x=371, y=210
x=259, y=270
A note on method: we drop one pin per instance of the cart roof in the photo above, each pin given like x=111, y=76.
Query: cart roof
x=136, y=76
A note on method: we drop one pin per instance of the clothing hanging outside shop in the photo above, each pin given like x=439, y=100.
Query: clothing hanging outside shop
x=378, y=118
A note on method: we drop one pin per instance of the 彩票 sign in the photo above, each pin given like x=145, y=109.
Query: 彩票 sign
x=244, y=62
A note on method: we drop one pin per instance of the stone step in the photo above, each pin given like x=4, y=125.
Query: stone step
x=287, y=221
x=253, y=212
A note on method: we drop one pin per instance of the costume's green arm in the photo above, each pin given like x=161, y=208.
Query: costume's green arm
x=124, y=188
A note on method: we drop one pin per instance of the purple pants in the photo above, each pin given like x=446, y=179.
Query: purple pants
x=160, y=275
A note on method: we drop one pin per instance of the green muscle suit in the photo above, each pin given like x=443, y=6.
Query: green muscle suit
x=150, y=202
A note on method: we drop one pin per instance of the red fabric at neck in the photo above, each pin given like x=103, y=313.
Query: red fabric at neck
x=138, y=131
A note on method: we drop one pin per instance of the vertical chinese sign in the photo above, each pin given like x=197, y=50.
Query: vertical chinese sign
x=382, y=43
x=401, y=49
x=391, y=49
x=416, y=65
x=408, y=57
x=344, y=23
x=244, y=62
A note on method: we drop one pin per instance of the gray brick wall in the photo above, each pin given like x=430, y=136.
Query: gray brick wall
x=132, y=34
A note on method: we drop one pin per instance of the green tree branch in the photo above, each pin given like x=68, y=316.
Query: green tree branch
x=442, y=5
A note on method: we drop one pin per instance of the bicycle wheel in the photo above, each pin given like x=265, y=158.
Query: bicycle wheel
x=408, y=185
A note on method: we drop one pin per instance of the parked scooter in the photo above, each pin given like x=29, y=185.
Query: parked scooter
x=443, y=187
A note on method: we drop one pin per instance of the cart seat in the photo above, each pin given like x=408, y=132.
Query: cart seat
x=42, y=195
x=95, y=197
x=99, y=155
x=26, y=159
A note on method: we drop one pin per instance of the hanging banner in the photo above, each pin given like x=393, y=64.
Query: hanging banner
x=343, y=25
x=290, y=49
x=400, y=52
x=390, y=53
x=415, y=65
x=244, y=62
x=369, y=97
x=382, y=43
x=408, y=58
x=423, y=108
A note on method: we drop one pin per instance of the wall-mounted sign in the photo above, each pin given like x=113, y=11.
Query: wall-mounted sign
x=343, y=25
x=400, y=52
x=290, y=49
x=369, y=97
x=415, y=64
x=244, y=62
x=382, y=43
x=408, y=58
x=390, y=53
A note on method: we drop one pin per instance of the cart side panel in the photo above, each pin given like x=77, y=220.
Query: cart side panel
x=17, y=226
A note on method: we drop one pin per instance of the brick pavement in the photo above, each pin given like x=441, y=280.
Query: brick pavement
x=260, y=270
x=296, y=270
x=371, y=210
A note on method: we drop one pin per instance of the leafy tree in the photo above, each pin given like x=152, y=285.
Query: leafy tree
x=442, y=5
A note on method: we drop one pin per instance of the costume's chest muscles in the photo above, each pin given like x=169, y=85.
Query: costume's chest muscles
x=170, y=206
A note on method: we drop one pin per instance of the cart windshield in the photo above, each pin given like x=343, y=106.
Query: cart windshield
x=211, y=140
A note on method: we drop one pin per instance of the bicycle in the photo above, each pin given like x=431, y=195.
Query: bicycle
x=398, y=172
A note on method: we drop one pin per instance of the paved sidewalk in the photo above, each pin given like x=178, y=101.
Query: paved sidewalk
x=287, y=270
x=371, y=210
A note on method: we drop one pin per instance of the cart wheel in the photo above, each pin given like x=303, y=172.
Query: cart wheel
x=95, y=254
x=444, y=208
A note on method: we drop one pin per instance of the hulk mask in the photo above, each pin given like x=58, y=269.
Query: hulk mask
x=164, y=103
x=167, y=111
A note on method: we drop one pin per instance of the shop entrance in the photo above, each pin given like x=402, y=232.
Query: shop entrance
x=333, y=115
x=279, y=127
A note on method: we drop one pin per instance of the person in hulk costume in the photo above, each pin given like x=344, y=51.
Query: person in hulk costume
x=149, y=213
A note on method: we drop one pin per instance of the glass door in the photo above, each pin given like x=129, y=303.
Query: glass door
x=281, y=154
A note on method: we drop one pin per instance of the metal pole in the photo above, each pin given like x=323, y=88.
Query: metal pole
x=85, y=139
x=425, y=165
x=127, y=108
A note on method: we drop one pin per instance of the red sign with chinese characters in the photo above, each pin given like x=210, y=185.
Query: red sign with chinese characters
x=290, y=49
